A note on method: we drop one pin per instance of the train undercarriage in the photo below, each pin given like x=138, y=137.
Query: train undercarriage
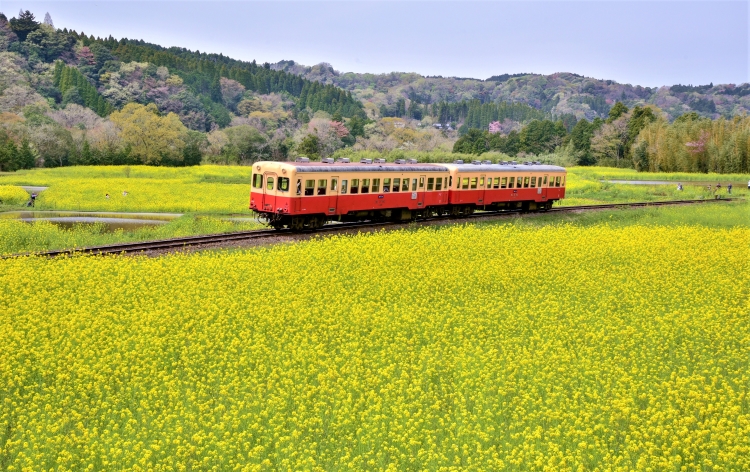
x=315, y=221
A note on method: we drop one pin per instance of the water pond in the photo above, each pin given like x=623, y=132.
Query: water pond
x=112, y=221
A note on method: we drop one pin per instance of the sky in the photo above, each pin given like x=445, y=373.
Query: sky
x=638, y=42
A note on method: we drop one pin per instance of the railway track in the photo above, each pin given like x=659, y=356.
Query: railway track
x=175, y=243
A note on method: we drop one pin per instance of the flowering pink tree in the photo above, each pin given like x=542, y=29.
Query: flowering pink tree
x=339, y=128
x=698, y=146
x=495, y=127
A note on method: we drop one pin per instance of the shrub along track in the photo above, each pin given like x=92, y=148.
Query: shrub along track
x=255, y=237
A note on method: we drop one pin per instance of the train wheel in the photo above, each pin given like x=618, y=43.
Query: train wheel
x=297, y=224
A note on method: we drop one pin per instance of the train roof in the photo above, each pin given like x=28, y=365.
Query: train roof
x=359, y=167
x=505, y=167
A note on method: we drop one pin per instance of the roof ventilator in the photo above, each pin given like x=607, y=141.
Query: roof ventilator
x=399, y=161
x=537, y=163
x=486, y=162
x=365, y=161
x=458, y=161
x=343, y=160
x=327, y=160
x=302, y=159
x=379, y=161
x=476, y=163
x=514, y=163
x=411, y=161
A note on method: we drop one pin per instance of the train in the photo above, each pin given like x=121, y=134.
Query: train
x=304, y=194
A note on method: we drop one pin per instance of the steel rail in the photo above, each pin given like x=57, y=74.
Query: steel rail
x=186, y=241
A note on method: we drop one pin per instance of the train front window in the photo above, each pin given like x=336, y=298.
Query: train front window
x=322, y=185
x=375, y=185
x=563, y=181
x=386, y=185
x=396, y=185
x=309, y=187
x=284, y=184
x=257, y=181
x=365, y=185
x=355, y=186
x=430, y=183
x=269, y=183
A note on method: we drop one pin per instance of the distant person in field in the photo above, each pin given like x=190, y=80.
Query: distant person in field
x=124, y=193
x=106, y=195
x=32, y=202
x=679, y=187
x=729, y=189
x=748, y=184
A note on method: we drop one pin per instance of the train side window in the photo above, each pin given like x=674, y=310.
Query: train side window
x=496, y=183
x=405, y=185
x=375, y=185
x=421, y=183
x=309, y=187
x=481, y=182
x=519, y=182
x=322, y=185
x=257, y=180
x=355, y=186
x=545, y=180
x=504, y=183
x=365, y=186
x=299, y=187
x=563, y=181
x=557, y=181
x=396, y=185
x=439, y=184
x=386, y=185
x=473, y=182
x=344, y=184
x=526, y=182
x=533, y=181
x=430, y=183
x=451, y=182
x=539, y=181
x=465, y=183
x=511, y=182
x=284, y=184
x=269, y=183
x=334, y=184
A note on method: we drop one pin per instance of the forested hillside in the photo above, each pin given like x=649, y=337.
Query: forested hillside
x=557, y=94
x=68, y=98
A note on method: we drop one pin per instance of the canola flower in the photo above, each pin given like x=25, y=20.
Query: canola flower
x=13, y=195
x=459, y=348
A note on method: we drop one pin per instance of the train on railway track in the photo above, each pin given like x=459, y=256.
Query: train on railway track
x=306, y=195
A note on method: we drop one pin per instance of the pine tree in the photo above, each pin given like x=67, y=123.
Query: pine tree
x=25, y=156
x=48, y=20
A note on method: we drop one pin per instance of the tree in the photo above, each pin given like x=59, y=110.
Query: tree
x=150, y=137
x=475, y=141
x=24, y=24
x=617, y=111
x=48, y=20
x=309, y=146
x=25, y=158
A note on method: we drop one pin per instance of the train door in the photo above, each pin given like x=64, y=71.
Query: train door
x=482, y=189
x=269, y=191
x=420, y=190
x=543, y=187
x=333, y=196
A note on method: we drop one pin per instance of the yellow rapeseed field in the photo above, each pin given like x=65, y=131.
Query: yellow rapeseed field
x=13, y=195
x=460, y=348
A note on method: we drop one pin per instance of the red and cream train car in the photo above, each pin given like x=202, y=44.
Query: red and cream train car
x=302, y=195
